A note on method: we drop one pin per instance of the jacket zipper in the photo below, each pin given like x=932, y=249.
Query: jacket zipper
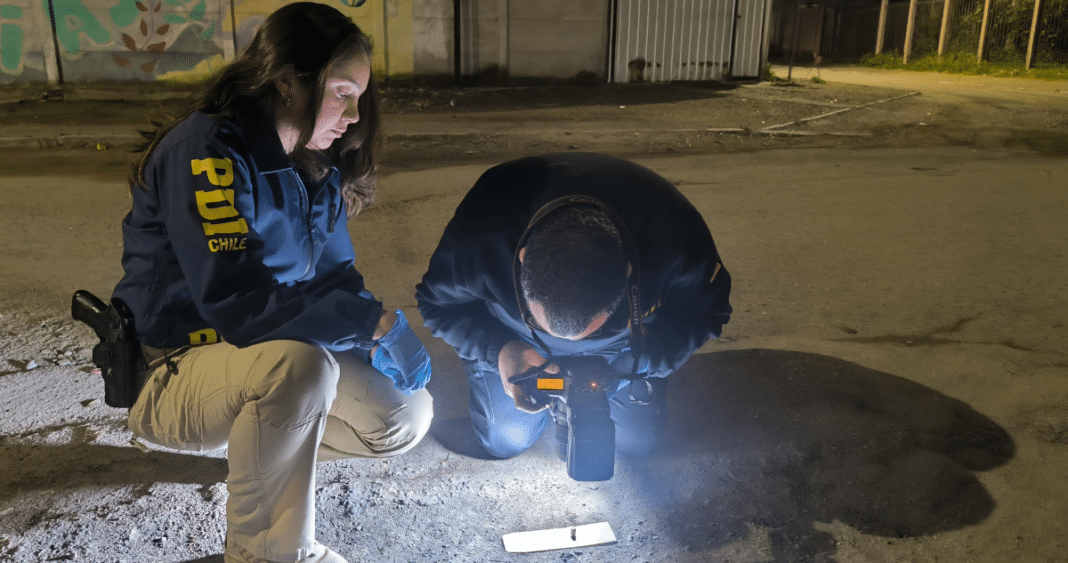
x=305, y=202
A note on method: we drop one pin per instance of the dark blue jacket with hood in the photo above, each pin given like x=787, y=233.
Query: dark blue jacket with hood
x=468, y=297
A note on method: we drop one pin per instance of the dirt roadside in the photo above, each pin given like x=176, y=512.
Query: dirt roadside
x=867, y=108
x=891, y=388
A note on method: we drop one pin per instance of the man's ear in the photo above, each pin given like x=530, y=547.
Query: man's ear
x=522, y=254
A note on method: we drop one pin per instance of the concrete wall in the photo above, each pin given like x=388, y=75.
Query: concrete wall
x=182, y=40
x=482, y=23
x=432, y=37
x=543, y=38
x=558, y=38
x=186, y=40
x=26, y=50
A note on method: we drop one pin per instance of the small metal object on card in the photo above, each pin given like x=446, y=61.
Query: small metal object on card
x=559, y=538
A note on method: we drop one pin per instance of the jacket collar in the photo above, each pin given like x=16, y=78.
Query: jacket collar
x=263, y=143
x=266, y=148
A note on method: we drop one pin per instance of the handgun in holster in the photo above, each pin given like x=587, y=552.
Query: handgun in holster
x=578, y=397
x=118, y=355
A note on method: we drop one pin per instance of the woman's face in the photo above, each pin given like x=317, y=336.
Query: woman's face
x=346, y=82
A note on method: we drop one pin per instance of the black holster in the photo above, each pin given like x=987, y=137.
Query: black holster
x=118, y=355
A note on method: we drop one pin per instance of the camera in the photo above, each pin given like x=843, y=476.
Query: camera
x=578, y=398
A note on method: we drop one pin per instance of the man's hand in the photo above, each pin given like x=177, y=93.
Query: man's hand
x=515, y=358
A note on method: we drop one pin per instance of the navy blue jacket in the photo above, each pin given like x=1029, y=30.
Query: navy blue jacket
x=467, y=297
x=230, y=243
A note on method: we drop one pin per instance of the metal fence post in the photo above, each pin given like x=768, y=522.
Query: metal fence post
x=456, y=36
x=234, y=48
x=1034, y=32
x=910, y=30
x=982, y=31
x=793, y=48
x=385, y=40
x=58, y=78
x=504, y=37
x=943, y=35
x=764, y=43
x=881, y=36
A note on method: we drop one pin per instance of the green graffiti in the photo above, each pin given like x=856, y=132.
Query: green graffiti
x=72, y=20
x=124, y=13
x=10, y=47
x=10, y=39
x=198, y=11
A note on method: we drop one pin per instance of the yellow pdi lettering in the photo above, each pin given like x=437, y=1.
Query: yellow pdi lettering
x=220, y=171
x=220, y=215
x=202, y=337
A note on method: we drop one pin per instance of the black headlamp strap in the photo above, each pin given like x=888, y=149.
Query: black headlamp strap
x=634, y=308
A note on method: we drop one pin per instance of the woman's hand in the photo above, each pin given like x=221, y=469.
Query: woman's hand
x=400, y=355
x=515, y=358
x=385, y=322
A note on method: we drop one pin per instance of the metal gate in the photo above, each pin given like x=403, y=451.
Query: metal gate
x=663, y=40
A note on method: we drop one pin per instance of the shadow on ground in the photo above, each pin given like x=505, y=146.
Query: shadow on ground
x=762, y=447
x=456, y=435
x=78, y=465
x=782, y=440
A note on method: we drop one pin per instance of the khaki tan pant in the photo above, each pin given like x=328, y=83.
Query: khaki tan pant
x=278, y=407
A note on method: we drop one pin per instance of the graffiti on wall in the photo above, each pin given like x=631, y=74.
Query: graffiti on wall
x=141, y=36
x=130, y=36
x=183, y=40
x=152, y=28
x=11, y=38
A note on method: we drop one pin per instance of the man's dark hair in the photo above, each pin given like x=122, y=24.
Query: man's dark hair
x=575, y=266
x=312, y=37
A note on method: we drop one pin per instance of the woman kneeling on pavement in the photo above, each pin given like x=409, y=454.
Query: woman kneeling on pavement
x=257, y=330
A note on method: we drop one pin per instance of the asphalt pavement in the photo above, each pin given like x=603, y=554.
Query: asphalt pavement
x=891, y=386
x=74, y=133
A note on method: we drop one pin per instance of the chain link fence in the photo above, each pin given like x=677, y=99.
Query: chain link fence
x=849, y=30
x=1051, y=34
x=963, y=24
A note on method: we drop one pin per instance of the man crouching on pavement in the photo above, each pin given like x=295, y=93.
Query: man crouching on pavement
x=573, y=255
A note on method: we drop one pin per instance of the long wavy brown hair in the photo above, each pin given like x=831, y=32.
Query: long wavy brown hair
x=311, y=37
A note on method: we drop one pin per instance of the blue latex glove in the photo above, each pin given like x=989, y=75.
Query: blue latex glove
x=402, y=357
